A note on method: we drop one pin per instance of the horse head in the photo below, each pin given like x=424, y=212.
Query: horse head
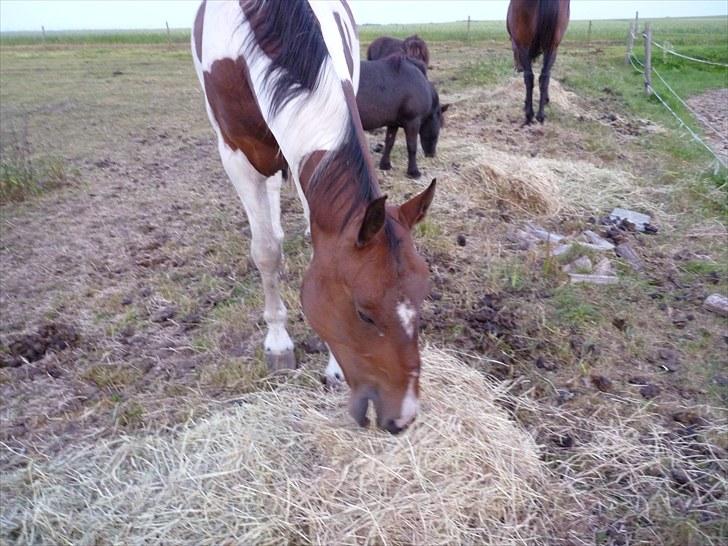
x=362, y=294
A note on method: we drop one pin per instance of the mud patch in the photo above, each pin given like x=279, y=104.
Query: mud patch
x=33, y=346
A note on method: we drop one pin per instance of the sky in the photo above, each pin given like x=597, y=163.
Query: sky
x=137, y=14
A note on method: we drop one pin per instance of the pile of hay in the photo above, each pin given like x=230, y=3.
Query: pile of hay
x=288, y=466
x=546, y=187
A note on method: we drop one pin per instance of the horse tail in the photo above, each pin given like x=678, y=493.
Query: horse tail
x=547, y=24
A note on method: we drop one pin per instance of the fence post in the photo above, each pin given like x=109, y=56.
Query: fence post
x=42, y=28
x=468, y=34
x=588, y=35
x=648, y=59
x=169, y=36
x=630, y=42
x=636, y=21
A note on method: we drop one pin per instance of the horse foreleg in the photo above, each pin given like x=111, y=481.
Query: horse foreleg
x=385, y=163
x=543, y=83
x=411, y=131
x=261, y=199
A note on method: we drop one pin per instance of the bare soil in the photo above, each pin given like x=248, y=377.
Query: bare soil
x=713, y=115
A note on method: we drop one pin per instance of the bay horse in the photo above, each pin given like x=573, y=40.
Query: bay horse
x=394, y=92
x=412, y=46
x=535, y=27
x=279, y=80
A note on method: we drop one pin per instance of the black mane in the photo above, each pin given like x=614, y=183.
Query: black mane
x=347, y=161
x=289, y=33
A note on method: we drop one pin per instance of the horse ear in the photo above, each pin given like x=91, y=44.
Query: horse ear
x=373, y=221
x=444, y=107
x=414, y=210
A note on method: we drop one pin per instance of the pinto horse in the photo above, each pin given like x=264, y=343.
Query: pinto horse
x=279, y=80
x=535, y=27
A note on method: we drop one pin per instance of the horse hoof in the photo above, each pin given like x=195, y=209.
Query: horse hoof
x=540, y=118
x=280, y=361
x=385, y=166
x=414, y=174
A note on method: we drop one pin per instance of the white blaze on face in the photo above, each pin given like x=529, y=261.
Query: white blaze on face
x=410, y=404
x=407, y=316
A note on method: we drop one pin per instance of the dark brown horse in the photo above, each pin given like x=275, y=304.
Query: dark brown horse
x=535, y=27
x=394, y=92
x=412, y=46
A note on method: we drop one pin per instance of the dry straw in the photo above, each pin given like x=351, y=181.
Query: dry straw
x=288, y=466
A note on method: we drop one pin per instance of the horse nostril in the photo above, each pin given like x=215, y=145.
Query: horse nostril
x=392, y=427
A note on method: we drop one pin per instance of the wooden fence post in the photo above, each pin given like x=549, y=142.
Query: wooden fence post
x=588, y=35
x=630, y=42
x=636, y=21
x=468, y=34
x=42, y=28
x=169, y=36
x=648, y=59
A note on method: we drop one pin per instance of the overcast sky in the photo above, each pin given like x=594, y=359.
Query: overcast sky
x=128, y=14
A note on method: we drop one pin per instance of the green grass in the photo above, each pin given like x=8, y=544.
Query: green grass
x=24, y=173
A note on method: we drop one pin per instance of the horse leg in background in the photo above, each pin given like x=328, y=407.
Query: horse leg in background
x=528, y=79
x=261, y=199
x=549, y=57
x=411, y=132
x=384, y=163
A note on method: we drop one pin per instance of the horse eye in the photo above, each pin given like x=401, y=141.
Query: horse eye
x=364, y=317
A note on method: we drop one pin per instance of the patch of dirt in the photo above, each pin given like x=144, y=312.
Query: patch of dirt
x=713, y=115
x=34, y=345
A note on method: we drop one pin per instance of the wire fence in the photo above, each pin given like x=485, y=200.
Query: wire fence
x=647, y=70
x=689, y=58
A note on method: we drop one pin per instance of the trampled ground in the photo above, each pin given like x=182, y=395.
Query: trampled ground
x=129, y=303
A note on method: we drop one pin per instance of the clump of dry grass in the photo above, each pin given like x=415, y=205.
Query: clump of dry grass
x=288, y=466
x=546, y=187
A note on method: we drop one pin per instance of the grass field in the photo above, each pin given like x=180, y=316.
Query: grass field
x=131, y=313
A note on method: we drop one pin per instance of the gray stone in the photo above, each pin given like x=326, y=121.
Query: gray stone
x=637, y=218
x=593, y=279
x=544, y=235
x=626, y=251
x=581, y=265
x=717, y=304
x=561, y=249
x=604, y=268
x=597, y=241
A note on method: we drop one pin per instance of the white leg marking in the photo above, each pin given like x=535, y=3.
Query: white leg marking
x=261, y=200
x=334, y=375
x=410, y=405
x=407, y=315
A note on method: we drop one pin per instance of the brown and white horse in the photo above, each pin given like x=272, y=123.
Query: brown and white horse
x=279, y=80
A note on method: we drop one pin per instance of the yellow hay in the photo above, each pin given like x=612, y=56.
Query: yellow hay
x=289, y=466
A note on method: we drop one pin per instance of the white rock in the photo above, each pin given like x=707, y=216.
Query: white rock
x=604, y=268
x=637, y=218
x=717, y=304
x=581, y=265
x=544, y=235
x=593, y=279
x=597, y=241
